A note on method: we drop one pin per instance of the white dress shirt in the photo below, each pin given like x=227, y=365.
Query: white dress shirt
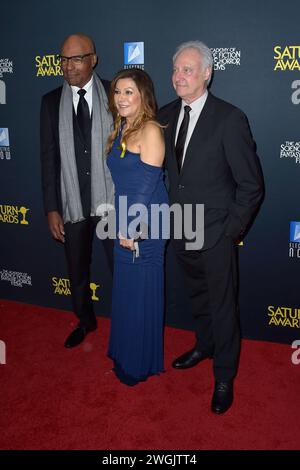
x=88, y=96
x=196, y=108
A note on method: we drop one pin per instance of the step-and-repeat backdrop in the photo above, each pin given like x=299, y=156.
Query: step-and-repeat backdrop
x=256, y=49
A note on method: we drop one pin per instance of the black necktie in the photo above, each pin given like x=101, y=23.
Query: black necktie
x=182, y=136
x=83, y=114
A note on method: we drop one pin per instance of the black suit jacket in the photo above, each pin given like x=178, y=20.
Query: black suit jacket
x=221, y=169
x=50, y=152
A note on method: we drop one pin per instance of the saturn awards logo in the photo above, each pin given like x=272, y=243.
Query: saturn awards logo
x=14, y=214
x=134, y=55
x=48, y=65
x=284, y=316
x=62, y=286
x=287, y=58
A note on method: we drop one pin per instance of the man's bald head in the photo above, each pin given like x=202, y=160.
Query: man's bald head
x=78, y=72
x=84, y=38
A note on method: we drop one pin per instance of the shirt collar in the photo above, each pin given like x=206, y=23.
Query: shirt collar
x=86, y=87
x=198, y=104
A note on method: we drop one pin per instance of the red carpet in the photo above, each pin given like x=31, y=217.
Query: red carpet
x=53, y=398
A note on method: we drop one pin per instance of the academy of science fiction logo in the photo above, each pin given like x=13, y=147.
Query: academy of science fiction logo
x=61, y=286
x=224, y=56
x=48, y=65
x=290, y=150
x=134, y=55
x=15, y=278
x=284, y=316
x=6, y=66
x=287, y=58
x=14, y=214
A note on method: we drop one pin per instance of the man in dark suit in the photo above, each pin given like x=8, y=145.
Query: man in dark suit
x=76, y=183
x=211, y=160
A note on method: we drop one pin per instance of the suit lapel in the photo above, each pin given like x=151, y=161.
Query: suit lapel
x=172, y=125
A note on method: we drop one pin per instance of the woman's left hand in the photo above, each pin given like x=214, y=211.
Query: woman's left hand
x=126, y=243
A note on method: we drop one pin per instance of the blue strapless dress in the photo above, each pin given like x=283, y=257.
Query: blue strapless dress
x=136, y=334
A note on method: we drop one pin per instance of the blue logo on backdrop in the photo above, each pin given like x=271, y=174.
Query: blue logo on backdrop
x=4, y=144
x=133, y=54
x=4, y=139
x=295, y=232
x=294, y=245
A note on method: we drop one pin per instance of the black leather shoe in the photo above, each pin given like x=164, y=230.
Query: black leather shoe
x=78, y=335
x=222, y=398
x=189, y=359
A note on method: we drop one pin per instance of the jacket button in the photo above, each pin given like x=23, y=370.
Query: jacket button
x=180, y=186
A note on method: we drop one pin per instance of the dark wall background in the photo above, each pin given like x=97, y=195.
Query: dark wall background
x=269, y=276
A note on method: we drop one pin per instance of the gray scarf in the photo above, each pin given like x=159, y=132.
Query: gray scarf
x=101, y=183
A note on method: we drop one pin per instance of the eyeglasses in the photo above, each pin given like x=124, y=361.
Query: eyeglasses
x=75, y=59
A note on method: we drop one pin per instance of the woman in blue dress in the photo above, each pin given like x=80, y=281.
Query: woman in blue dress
x=135, y=158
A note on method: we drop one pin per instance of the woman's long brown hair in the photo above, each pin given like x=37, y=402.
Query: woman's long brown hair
x=148, y=104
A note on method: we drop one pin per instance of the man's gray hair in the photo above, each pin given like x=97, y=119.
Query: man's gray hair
x=202, y=49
